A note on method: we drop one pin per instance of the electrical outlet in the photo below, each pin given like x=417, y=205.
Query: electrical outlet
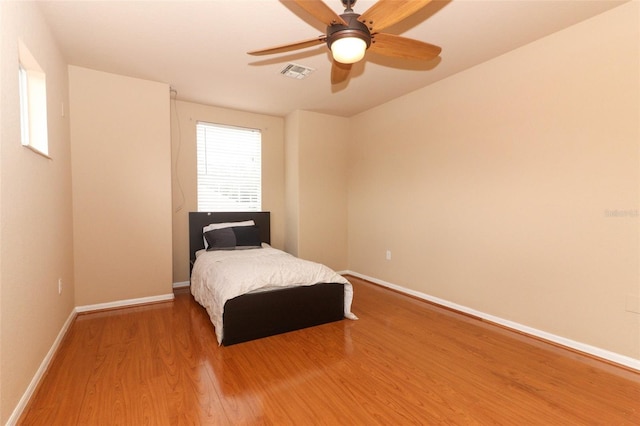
x=388, y=254
x=59, y=285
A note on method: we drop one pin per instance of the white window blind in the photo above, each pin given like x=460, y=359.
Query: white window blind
x=229, y=168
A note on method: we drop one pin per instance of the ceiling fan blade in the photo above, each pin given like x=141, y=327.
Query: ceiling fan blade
x=402, y=47
x=321, y=11
x=387, y=12
x=289, y=47
x=339, y=72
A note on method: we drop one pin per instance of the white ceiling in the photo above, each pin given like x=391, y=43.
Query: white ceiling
x=199, y=47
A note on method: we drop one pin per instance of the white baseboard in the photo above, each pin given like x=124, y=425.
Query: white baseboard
x=44, y=365
x=182, y=284
x=125, y=303
x=572, y=344
x=54, y=348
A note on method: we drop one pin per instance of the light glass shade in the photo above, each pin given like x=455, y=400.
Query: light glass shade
x=348, y=50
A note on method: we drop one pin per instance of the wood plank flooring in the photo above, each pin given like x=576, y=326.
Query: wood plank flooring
x=403, y=362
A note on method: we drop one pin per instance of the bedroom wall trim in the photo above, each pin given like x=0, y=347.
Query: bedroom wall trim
x=44, y=366
x=593, y=351
x=181, y=284
x=125, y=303
x=22, y=404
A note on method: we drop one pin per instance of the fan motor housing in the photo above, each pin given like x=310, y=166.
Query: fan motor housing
x=354, y=28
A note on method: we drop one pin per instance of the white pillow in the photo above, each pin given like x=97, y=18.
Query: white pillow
x=223, y=225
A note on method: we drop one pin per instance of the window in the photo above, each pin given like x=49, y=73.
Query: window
x=229, y=168
x=33, y=102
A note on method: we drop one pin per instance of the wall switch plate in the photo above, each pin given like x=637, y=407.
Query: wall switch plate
x=388, y=254
x=59, y=285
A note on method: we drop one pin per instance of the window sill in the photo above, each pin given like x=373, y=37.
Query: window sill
x=37, y=151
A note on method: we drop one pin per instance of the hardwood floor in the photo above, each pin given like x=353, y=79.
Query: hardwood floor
x=403, y=362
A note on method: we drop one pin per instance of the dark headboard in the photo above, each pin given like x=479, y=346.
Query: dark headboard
x=198, y=220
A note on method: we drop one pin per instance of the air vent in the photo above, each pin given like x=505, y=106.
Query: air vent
x=297, y=71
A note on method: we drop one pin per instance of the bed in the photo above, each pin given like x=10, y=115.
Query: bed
x=252, y=290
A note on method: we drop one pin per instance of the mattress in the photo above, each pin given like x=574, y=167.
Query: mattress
x=221, y=275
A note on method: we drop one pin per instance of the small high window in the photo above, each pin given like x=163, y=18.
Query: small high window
x=33, y=102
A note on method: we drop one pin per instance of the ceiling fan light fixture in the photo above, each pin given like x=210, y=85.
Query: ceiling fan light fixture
x=348, y=43
x=348, y=50
x=350, y=34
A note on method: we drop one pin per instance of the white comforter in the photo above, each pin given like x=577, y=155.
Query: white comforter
x=219, y=276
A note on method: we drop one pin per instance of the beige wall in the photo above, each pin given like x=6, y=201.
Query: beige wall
x=184, y=116
x=35, y=210
x=317, y=187
x=292, y=182
x=494, y=188
x=121, y=164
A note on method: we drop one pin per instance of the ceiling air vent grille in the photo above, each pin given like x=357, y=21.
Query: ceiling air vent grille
x=297, y=71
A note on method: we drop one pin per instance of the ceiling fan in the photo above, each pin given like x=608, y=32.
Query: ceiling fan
x=349, y=35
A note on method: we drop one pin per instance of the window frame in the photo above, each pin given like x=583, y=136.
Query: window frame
x=32, y=87
x=236, y=171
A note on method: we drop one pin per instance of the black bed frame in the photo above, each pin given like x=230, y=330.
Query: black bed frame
x=256, y=315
